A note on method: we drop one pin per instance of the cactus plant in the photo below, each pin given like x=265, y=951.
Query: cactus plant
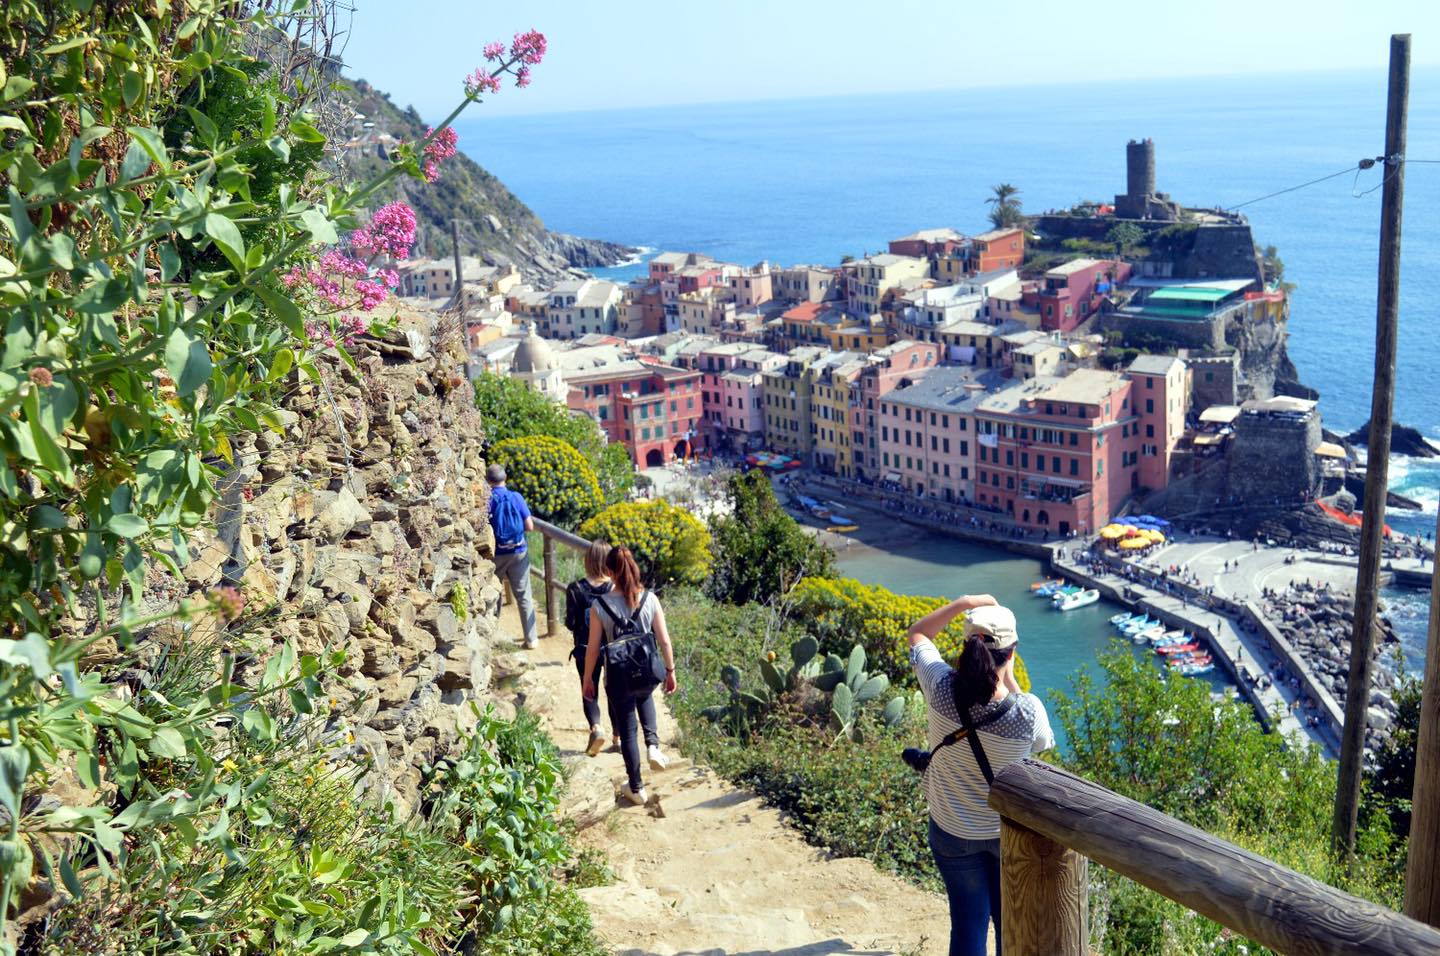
x=894, y=712
x=872, y=689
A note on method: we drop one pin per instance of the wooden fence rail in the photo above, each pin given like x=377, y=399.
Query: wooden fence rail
x=553, y=533
x=1052, y=820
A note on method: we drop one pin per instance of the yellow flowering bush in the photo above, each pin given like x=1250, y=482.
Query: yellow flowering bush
x=670, y=544
x=841, y=612
x=555, y=480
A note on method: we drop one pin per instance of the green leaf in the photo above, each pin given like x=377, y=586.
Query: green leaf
x=167, y=743
x=14, y=766
x=152, y=142
x=137, y=160
x=100, y=297
x=131, y=87
x=169, y=261
x=226, y=236
x=127, y=526
x=279, y=147
x=188, y=360
x=355, y=937
x=16, y=86
x=67, y=875
x=319, y=227
x=69, y=44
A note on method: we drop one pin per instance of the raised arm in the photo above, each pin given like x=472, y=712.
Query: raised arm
x=592, y=651
x=933, y=623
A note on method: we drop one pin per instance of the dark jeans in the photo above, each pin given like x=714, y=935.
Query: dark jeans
x=625, y=707
x=591, y=705
x=971, y=871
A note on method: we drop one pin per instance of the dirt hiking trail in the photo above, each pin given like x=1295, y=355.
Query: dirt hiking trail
x=705, y=869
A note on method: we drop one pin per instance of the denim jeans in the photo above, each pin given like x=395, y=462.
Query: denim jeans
x=971, y=871
x=625, y=708
x=591, y=705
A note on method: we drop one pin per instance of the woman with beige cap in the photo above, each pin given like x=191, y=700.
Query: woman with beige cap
x=977, y=707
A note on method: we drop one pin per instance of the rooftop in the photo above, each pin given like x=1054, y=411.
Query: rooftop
x=947, y=388
x=1038, y=347
x=1220, y=414
x=942, y=234
x=1279, y=405
x=886, y=259
x=1071, y=267
x=994, y=234
x=1088, y=386
x=1155, y=364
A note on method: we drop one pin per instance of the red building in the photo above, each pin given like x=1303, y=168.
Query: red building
x=997, y=249
x=1071, y=292
x=927, y=243
x=1065, y=457
x=653, y=410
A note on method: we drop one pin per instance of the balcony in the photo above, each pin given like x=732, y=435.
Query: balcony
x=1055, y=489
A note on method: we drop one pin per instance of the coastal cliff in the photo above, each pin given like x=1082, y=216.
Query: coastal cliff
x=494, y=223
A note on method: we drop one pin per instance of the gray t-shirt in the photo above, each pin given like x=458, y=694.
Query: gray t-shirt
x=615, y=601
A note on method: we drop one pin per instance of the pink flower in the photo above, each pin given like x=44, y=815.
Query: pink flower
x=494, y=51
x=522, y=77
x=391, y=232
x=481, y=82
x=41, y=377
x=228, y=601
x=439, y=149
x=528, y=47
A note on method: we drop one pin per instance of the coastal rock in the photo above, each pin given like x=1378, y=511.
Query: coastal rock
x=1404, y=440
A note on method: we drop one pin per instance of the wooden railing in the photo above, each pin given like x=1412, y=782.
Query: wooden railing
x=546, y=573
x=1052, y=821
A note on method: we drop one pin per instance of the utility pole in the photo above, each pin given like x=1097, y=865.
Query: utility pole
x=1377, y=467
x=459, y=289
x=1422, y=869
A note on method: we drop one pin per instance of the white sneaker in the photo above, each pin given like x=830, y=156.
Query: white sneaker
x=637, y=797
x=531, y=644
x=658, y=761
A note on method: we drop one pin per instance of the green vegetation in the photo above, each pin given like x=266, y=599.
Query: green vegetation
x=759, y=549
x=555, y=480
x=512, y=409
x=670, y=544
x=1125, y=237
x=1165, y=743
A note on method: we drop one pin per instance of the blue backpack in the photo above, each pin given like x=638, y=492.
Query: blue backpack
x=506, y=521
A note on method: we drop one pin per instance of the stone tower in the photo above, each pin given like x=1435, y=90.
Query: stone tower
x=1140, y=200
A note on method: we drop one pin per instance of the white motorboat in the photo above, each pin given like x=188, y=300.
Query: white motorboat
x=1079, y=599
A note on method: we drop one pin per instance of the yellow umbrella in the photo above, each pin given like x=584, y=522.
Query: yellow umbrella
x=1112, y=531
x=1134, y=544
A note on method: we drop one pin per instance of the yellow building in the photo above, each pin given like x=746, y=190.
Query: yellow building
x=830, y=403
x=787, y=403
x=857, y=337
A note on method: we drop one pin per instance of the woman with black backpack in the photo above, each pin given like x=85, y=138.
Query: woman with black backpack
x=979, y=722
x=579, y=595
x=627, y=628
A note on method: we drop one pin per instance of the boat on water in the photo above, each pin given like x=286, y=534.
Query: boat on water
x=1059, y=594
x=1123, y=617
x=1049, y=588
x=1180, y=660
x=842, y=528
x=1133, y=627
x=1170, y=649
x=1052, y=583
x=1195, y=670
x=1171, y=637
x=1080, y=599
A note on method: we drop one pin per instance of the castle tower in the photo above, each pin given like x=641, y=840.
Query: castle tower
x=1140, y=168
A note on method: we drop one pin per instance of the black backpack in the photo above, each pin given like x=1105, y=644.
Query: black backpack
x=632, y=658
x=579, y=595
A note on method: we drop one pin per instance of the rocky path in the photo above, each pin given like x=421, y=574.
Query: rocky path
x=705, y=868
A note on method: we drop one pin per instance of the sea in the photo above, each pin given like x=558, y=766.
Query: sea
x=811, y=180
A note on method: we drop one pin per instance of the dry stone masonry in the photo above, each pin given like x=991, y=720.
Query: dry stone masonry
x=365, y=525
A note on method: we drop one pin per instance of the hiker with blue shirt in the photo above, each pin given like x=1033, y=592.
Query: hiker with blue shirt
x=509, y=520
x=979, y=723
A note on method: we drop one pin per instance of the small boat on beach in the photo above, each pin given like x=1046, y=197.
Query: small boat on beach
x=1080, y=599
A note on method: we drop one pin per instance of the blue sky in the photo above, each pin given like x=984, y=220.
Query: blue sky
x=633, y=53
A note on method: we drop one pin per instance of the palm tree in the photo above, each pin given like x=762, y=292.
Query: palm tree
x=1004, y=207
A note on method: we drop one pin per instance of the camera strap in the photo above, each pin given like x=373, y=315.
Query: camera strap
x=968, y=732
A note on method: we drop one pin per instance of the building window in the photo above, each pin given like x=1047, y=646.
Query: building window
x=1149, y=405
x=1149, y=431
x=934, y=443
x=1149, y=383
x=1075, y=466
x=1040, y=463
x=1009, y=458
x=964, y=473
x=945, y=445
x=1024, y=459
x=1074, y=439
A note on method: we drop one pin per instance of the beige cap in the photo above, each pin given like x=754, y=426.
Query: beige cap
x=994, y=624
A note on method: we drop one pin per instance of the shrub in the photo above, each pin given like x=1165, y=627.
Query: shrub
x=670, y=544
x=759, y=549
x=842, y=611
x=555, y=480
x=512, y=409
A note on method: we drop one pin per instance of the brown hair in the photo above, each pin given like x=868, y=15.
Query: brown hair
x=595, y=556
x=977, y=672
x=625, y=573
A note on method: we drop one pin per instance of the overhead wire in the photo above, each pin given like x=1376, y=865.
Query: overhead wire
x=1359, y=167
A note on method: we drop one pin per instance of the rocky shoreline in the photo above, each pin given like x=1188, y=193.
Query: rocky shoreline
x=1318, y=623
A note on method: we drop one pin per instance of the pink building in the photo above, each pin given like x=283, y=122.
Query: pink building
x=928, y=243
x=1071, y=293
x=752, y=287
x=894, y=366
x=733, y=392
x=1058, y=458
x=654, y=410
x=926, y=434
x=1160, y=392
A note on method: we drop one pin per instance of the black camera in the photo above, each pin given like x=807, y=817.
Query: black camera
x=916, y=759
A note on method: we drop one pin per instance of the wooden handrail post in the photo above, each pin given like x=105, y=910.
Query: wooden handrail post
x=552, y=626
x=1043, y=907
